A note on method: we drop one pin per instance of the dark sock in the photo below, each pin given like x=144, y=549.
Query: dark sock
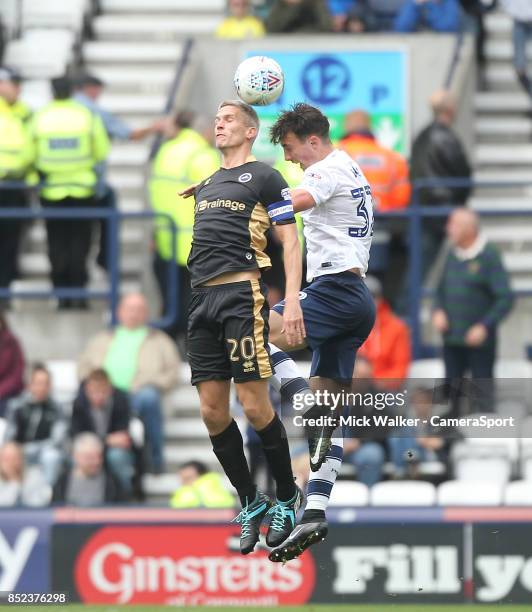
x=275, y=446
x=228, y=446
x=313, y=516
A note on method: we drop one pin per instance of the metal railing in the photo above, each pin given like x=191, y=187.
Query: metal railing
x=114, y=218
x=414, y=216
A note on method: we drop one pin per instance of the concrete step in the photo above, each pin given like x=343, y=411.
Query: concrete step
x=501, y=75
x=518, y=263
x=496, y=202
x=176, y=455
x=502, y=102
x=522, y=283
x=162, y=6
x=163, y=484
x=498, y=23
x=120, y=78
x=508, y=233
x=141, y=27
x=133, y=53
x=126, y=182
x=504, y=154
x=496, y=127
x=503, y=175
x=185, y=428
x=501, y=50
x=128, y=154
x=128, y=235
x=37, y=264
x=123, y=104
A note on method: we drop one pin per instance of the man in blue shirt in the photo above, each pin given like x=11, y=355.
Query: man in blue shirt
x=89, y=90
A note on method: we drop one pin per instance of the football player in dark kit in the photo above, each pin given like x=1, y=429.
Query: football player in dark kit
x=228, y=315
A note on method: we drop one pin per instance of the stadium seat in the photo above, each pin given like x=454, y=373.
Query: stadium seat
x=469, y=493
x=426, y=368
x=513, y=368
x=37, y=62
x=518, y=493
x=36, y=93
x=403, y=493
x=64, y=380
x=476, y=462
x=3, y=425
x=349, y=493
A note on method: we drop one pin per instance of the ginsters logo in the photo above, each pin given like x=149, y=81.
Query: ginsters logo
x=184, y=566
x=232, y=205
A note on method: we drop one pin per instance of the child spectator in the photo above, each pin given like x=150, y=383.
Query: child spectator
x=19, y=485
x=240, y=23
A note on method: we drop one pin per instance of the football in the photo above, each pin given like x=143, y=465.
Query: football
x=259, y=80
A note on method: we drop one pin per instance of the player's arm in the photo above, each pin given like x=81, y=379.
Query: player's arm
x=293, y=324
x=276, y=196
x=302, y=200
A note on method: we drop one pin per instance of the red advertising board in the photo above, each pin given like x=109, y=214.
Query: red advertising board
x=184, y=565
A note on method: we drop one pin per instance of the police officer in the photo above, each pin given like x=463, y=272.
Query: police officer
x=70, y=140
x=16, y=157
x=184, y=159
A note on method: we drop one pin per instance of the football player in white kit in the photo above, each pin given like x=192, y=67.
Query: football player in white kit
x=335, y=200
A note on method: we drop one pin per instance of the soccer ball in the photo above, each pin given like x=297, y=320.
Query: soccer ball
x=259, y=80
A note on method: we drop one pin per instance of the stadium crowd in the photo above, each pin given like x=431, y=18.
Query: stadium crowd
x=97, y=449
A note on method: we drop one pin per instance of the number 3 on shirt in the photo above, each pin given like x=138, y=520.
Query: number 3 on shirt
x=359, y=195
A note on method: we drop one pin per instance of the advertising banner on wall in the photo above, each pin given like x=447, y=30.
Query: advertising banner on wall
x=201, y=565
x=173, y=565
x=502, y=563
x=391, y=563
x=339, y=82
x=24, y=551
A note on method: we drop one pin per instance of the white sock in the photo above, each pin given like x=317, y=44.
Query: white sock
x=320, y=483
x=287, y=378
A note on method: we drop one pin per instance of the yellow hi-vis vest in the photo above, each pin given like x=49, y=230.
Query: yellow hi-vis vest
x=69, y=141
x=22, y=111
x=182, y=161
x=293, y=175
x=207, y=491
x=16, y=147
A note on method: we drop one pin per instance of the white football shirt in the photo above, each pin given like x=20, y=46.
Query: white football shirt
x=339, y=228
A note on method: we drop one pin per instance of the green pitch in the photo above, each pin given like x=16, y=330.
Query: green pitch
x=309, y=608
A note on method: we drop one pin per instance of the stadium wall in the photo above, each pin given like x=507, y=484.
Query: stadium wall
x=429, y=58
x=160, y=556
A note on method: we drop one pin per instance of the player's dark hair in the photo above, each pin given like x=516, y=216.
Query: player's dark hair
x=303, y=120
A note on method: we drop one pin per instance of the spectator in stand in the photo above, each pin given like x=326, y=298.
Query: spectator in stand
x=387, y=348
x=437, y=153
x=19, y=485
x=200, y=488
x=472, y=298
x=359, y=19
x=186, y=158
x=104, y=410
x=139, y=360
x=70, y=140
x=299, y=16
x=339, y=10
x=87, y=482
x=476, y=10
x=387, y=173
x=17, y=154
x=436, y=15
x=240, y=23
x=384, y=13
x=521, y=13
x=366, y=454
x=425, y=443
x=88, y=92
x=11, y=365
x=386, y=170
x=36, y=422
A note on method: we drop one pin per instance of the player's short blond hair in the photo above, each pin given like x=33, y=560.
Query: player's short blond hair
x=248, y=111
